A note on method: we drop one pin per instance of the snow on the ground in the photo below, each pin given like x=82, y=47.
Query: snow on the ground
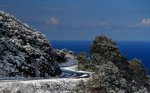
x=74, y=68
x=69, y=69
x=63, y=85
x=71, y=65
x=52, y=85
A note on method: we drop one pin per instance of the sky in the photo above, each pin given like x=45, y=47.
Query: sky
x=121, y=20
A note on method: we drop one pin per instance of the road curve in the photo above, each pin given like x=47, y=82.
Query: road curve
x=70, y=73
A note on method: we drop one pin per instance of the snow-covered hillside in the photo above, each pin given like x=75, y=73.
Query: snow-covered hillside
x=24, y=52
x=66, y=83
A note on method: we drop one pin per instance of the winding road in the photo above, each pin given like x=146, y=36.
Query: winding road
x=69, y=70
x=69, y=73
x=67, y=82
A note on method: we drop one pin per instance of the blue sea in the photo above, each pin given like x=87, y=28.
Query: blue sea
x=140, y=50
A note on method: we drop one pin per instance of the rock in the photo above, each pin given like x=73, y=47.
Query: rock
x=27, y=51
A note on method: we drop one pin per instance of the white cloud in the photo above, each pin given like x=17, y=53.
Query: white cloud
x=145, y=22
x=53, y=21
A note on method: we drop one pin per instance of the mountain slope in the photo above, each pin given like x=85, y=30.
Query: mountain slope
x=24, y=51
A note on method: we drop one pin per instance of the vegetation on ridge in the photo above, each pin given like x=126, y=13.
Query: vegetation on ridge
x=113, y=72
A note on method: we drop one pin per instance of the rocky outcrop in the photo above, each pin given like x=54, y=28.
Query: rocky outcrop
x=24, y=51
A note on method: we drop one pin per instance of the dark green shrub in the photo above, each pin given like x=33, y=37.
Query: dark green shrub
x=61, y=57
x=139, y=71
x=112, y=69
x=100, y=83
x=104, y=47
x=83, y=62
x=97, y=61
x=109, y=50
